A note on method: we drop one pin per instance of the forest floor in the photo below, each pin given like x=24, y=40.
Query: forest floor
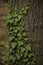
x=3, y=33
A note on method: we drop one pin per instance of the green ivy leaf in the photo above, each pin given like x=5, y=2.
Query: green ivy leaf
x=30, y=55
x=26, y=7
x=24, y=12
x=11, y=28
x=21, y=54
x=10, y=51
x=11, y=57
x=18, y=56
x=22, y=49
x=11, y=21
x=14, y=45
x=34, y=59
x=23, y=9
x=20, y=43
x=15, y=15
x=15, y=30
x=22, y=29
x=25, y=60
x=25, y=39
x=32, y=62
x=14, y=58
x=25, y=54
x=19, y=35
x=16, y=19
x=11, y=38
x=20, y=17
x=28, y=47
x=18, y=28
x=24, y=34
x=9, y=16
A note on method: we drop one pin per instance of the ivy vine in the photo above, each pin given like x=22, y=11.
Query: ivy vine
x=20, y=51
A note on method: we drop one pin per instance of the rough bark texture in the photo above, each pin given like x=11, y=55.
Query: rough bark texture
x=36, y=29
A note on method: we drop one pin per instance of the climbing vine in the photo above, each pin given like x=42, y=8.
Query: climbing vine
x=20, y=52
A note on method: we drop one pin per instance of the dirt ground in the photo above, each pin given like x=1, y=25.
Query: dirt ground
x=3, y=33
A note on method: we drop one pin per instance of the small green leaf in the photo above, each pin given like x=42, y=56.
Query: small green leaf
x=15, y=30
x=18, y=56
x=22, y=29
x=10, y=51
x=25, y=39
x=16, y=19
x=19, y=35
x=18, y=28
x=25, y=54
x=23, y=8
x=15, y=15
x=14, y=59
x=11, y=28
x=20, y=43
x=11, y=38
x=9, y=16
x=14, y=45
x=25, y=60
x=30, y=55
x=20, y=17
x=27, y=7
x=11, y=57
x=28, y=47
x=22, y=49
x=24, y=12
x=24, y=34
x=12, y=20
x=32, y=62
